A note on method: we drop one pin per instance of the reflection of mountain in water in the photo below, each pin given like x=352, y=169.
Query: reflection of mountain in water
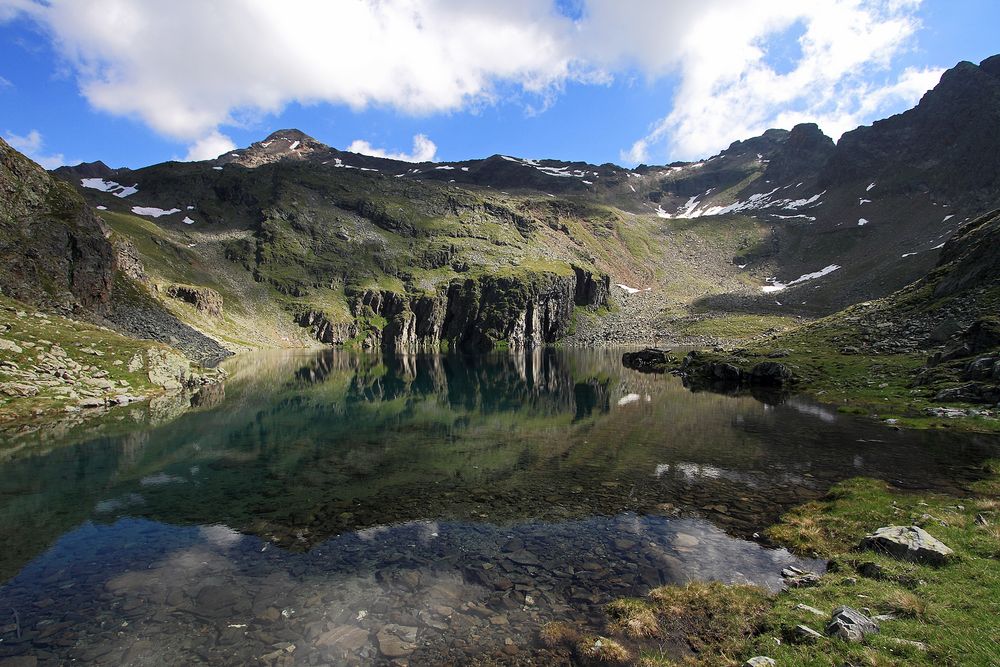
x=300, y=447
x=538, y=379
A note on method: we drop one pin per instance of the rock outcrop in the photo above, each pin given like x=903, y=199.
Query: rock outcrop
x=204, y=299
x=54, y=251
x=525, y=310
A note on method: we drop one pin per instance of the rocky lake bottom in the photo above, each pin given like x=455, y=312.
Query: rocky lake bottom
x=340, y=508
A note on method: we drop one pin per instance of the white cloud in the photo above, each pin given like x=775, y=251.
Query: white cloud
x=209, y=147
x=424, y=150
x=729, y=89
x=186, y=71
x=32, y=145
x=5, y=83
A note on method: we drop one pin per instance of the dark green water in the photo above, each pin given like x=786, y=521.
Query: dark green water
x=334, y=508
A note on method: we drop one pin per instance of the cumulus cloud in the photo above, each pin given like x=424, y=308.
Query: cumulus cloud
x=210, y=146
x=238, y=61
x=33, y=145
x=424, y=150
x=188, y=68
x=730, y=86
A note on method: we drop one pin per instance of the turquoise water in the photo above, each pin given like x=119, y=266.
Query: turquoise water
x=339, y=508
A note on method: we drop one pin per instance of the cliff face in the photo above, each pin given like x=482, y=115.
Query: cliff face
x=476, y=314
x=54, y=252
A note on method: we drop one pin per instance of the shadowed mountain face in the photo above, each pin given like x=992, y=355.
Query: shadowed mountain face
x=299, y=239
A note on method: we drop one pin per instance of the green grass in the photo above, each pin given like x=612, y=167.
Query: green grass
x=952, y=609
x=737, y=327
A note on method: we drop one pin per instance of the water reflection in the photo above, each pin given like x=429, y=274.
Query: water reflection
x=383, y=507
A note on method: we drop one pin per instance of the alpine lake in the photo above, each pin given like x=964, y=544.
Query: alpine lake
x=341, y=508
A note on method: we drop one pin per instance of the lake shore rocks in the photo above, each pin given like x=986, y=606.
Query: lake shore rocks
x=908, y=543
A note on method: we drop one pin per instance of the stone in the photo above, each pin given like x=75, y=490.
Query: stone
x=685, y=540
x=812, y=610
x=648, y=360
x=850, y=624
x=396, y=641
x=136, y=363
x=920, y=646
x=771, y=373
x=524, y=557
x=349, y=638
x=760, y=661
x=10, y=346
x=908, y=543
x=18, y=389
x=804, y=632
x=214, y=600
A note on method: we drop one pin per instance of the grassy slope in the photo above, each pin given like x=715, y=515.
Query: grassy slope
x=325, y=235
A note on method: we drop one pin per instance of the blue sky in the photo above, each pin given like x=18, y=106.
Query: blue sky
x=134, y=82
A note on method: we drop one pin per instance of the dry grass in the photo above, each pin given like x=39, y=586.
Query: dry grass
x=710, y=616
x=904, y=603
x=603, y=650
x=633, y=618
x=558, y=634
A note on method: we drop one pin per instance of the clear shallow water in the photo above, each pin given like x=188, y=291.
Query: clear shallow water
x=363, y=509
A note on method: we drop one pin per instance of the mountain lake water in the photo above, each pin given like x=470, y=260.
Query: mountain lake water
x=345, y=508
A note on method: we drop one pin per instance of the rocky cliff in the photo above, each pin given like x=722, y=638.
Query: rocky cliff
x=54, y=251
x=522, y=310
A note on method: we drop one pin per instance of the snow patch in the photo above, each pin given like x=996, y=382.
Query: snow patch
x=628, y=290
x=295, y=144
x=629, y=398
x=864, y=201
x=776, y=286
x=862, y=222
x=947, y=218
x=153, y=212
x=869, y=188
x=445, y=167
x=217, y=168
x=187, y=221
x=102, y=208
x=110, y=187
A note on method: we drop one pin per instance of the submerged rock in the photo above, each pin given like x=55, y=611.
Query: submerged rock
x=908, y=543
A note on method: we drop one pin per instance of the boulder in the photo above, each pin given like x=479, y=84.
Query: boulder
x=908, y=543
x=850, y=624
x=648, y=360
x=771, y=373
x=726, y=373
x=760, y=661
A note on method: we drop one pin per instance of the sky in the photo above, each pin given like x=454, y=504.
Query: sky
x=137, y=82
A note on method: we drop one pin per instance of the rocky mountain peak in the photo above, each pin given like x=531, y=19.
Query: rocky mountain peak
x=284, y=144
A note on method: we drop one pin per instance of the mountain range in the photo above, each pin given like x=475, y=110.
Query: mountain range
x=290, y=242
